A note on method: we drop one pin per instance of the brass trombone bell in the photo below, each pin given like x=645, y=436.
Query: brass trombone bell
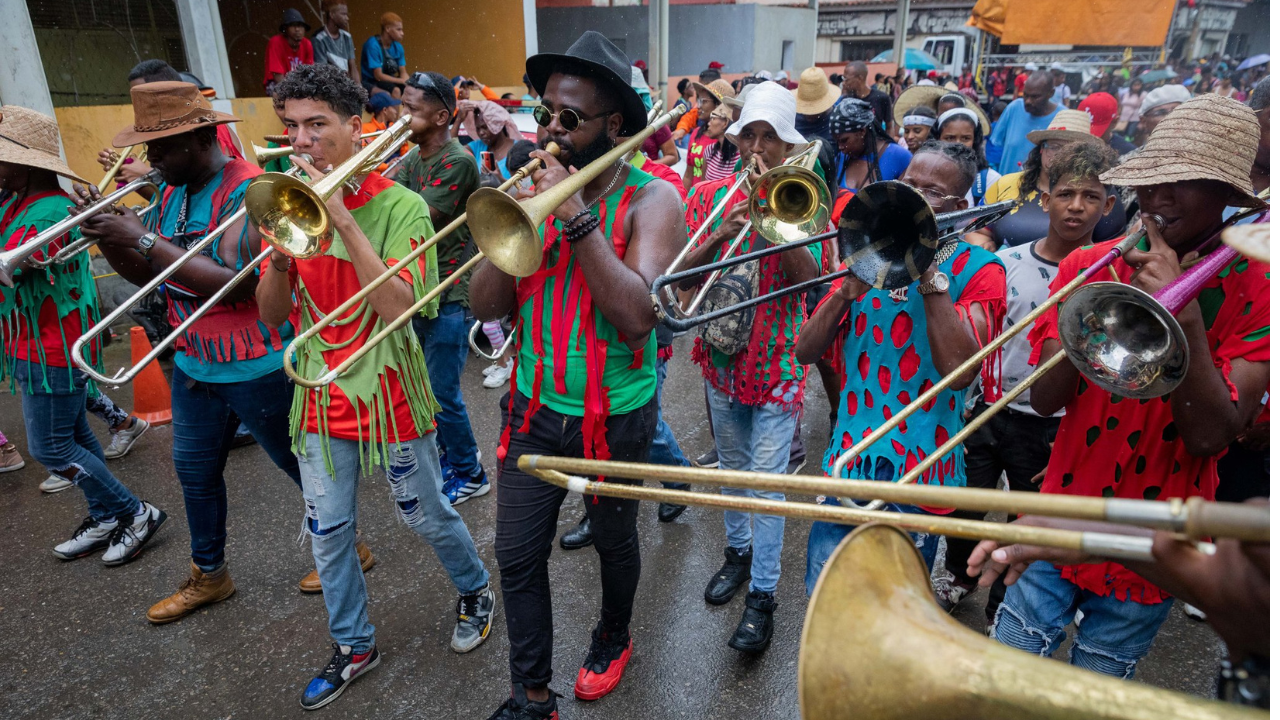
x=876, y=644
x=789, y=202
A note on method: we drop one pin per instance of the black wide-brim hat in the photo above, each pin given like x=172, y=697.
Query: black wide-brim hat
x=594, y=56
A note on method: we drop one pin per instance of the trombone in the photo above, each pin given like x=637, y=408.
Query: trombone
x=127, y=375
x=114, y=170
x=265, y=154
x=1193, y=517
x=887, y=236
x=1138, y=370
x=497, y=352
x=12, y=260
x=406, y=317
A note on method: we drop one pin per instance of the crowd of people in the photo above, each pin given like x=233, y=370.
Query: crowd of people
x=589, y=356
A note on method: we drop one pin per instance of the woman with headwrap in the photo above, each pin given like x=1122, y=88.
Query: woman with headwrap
x=864, y=153
x=961, y=125
x=491, y=128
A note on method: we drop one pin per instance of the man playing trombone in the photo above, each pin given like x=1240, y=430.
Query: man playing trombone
x=41, y=315
x=381, y=413
x=754, y=382
x=893, y=345
x=585, y=380
x=228, y=368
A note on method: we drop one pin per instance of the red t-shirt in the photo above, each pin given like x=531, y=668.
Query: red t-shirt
x=1018, y=82
x=1109, y=446
x=281, y=58
x=662, y=172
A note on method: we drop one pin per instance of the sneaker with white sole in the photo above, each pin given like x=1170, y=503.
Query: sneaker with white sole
x=949, y=590
x=461, y=489
x=343, y=667
x=54, y=484
x=500, y=375
x=122, y=440
x=475, y=616
x=10, y=459
x=128, y=539
x=91, y=536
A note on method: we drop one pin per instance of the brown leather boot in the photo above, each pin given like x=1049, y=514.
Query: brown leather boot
x=194, y=593
x=310, y=585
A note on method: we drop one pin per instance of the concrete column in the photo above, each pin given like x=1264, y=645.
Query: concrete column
x=530, y=28
x=900, y=33
x=205, y=45
x=22, y=80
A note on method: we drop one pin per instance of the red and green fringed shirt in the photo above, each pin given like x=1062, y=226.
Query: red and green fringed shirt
x=572, y=359
x=386, y=397
x=47, y=309
x=766, y=372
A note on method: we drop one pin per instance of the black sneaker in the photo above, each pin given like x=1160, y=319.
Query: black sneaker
x=520, y=707
x=796, y=465
x=343, y=667
x=668, y=512
x=708, y=459
x=755, y=630
x=579, y=537
x=606, y=661
x=725, y=583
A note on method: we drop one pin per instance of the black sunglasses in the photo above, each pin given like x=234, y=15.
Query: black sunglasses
x=422, y=81
x=570, y=119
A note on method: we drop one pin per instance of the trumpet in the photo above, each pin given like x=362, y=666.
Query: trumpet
x=11, y=260
x=1193, y=517
x=406, y=317
x=787, y=203
x=290, y=214
x=888, y=236
x=265, y=154
x=127, y=374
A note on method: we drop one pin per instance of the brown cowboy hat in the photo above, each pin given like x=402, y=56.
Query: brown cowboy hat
x=162, y=109
x=30, y=138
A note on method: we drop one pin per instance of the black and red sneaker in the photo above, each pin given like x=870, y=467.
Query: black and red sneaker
x=520, y=707
x=602, y=670
x=344, y=667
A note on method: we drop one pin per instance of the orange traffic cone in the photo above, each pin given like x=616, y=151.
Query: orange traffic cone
x=151, y=399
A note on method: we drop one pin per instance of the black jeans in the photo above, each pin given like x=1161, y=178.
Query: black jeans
x=1243, y=474
x=1016, y=444
x=526, y=523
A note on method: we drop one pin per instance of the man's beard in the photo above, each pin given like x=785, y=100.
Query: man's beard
x=583, y=156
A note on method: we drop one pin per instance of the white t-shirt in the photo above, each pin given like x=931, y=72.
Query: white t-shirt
x=1027, y=276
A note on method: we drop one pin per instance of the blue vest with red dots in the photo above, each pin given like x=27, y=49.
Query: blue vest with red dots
x=886, y=365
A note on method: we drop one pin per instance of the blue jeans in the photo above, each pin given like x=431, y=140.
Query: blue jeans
x=757, y=439
x=59, y=438
x=205, y=418
x=413, y=471
x=1113, y=635
x=825, y=536
x=444, y=345
x=665, y=450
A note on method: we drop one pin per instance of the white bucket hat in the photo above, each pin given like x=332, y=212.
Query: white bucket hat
x=773, y=104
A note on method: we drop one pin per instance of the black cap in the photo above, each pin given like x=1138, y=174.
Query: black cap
x=594, y=56
x=293, y=17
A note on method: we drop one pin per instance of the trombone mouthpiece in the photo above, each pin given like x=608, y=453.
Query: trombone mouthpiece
x=553, y=148
x=1159, y=220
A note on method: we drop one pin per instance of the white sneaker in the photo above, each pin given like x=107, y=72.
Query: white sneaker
x=55, y=483
x=490, y=369
x=1193, y=612
x=500, y=375
x=127, y=540
x=90, y=536
x=122, y=441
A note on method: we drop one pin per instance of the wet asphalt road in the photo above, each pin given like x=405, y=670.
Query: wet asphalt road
x=77, y=643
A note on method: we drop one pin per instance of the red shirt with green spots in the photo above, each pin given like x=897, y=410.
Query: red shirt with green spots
x=1111, y=446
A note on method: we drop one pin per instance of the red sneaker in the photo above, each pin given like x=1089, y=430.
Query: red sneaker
x=602, y=670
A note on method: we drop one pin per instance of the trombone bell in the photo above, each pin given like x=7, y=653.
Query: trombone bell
x=790, y=202
x=876, y=644
x=888, y=235
x=289, y=214
x=1123, y=340
x=504, y=229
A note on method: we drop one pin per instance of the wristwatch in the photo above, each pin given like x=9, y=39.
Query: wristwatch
x=937, y=283
x=146, y=242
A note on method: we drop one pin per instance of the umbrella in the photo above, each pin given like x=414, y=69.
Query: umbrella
x=1156, y=76
x=913, y=60
x=1255, y=61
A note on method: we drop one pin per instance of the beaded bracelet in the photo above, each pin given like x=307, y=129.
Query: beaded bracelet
x=581, y=230
x=576, y=218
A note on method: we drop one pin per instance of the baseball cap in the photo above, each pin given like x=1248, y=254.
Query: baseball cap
x=382, y=101
x=1102, y=109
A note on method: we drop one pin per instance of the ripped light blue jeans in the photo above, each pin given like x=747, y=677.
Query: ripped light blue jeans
x=1113, y=634
x=413, y=472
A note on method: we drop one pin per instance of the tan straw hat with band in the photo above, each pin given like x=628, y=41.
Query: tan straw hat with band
x=815, y=94
x=162, y=109
x=928, y=96
x=1067, y=125
x=718, y=89
x=30, y=139
x=1206, y=138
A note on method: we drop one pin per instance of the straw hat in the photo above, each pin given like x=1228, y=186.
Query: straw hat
x=718, y=89
x=163, y=109
x=815, y=94
x=1068, y=125
x=1206, y=138
x=928, y=95
x=30, y=138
